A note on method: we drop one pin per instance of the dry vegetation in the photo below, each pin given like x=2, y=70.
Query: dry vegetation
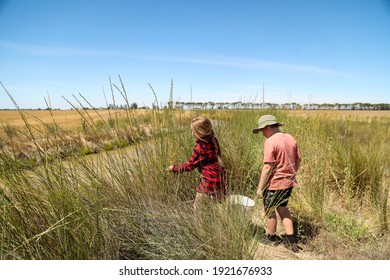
x=357, y=115
x=58, y=202
x=66, y=119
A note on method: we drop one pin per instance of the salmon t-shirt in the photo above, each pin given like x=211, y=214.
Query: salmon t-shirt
x=281, y=149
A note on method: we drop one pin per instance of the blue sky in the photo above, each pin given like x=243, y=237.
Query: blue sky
x=304, y=51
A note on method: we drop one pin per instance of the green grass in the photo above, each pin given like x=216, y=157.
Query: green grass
x=121, y=203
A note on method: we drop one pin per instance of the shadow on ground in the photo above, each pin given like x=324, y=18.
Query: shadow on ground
x=303, y=229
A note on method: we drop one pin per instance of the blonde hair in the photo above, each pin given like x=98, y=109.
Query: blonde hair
x=202, y=127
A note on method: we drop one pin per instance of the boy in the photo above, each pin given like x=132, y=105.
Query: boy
x=282, y=159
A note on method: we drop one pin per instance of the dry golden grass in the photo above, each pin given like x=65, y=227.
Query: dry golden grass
x=66, y=119
x=71, y=118
x=365, y=115
x=97, y=194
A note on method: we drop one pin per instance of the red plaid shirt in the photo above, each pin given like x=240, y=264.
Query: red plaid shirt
x=205, y=159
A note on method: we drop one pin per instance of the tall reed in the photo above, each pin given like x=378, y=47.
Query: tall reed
x=122, y=204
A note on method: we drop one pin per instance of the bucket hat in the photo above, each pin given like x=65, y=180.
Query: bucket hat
x=264, y=121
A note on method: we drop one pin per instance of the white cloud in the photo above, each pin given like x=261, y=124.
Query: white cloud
x=239, y=62
x=253, y=64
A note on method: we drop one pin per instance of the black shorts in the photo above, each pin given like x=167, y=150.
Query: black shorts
x=275, y=198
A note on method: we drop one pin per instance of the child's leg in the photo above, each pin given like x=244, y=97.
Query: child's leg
x=200, y=199
x=286, y=218
x=288, y=226
x=271, y=222
x=269, y=203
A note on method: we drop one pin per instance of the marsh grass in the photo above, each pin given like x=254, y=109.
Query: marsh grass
x=119, y=204
x=109, y=196
x=344, y=182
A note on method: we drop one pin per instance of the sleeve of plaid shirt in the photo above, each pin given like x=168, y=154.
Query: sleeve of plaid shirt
x=193, y=162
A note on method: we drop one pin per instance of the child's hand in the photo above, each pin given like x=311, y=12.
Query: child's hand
x=259, y=192
x=170, y=168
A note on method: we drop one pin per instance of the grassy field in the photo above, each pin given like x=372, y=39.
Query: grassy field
x=93, y=185
x=66, y=119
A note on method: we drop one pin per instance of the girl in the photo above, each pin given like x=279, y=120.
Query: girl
x=206, y=157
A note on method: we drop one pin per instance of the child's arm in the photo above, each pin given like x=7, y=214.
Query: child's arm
x=265, y=176
x=193, y=162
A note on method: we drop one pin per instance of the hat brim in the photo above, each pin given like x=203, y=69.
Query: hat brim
x=258, y=129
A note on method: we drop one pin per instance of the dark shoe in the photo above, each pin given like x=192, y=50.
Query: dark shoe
x=291, y=243
x=274, y=240
x=294, y=247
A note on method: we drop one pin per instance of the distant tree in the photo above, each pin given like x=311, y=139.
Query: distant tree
x=134, y=105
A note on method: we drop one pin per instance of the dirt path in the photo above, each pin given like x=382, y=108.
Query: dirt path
x=268, y=252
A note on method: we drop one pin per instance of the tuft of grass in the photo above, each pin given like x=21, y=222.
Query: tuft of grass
x=120, y=203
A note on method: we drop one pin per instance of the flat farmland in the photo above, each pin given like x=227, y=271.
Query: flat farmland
x=66, y=119
x=362, y=115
